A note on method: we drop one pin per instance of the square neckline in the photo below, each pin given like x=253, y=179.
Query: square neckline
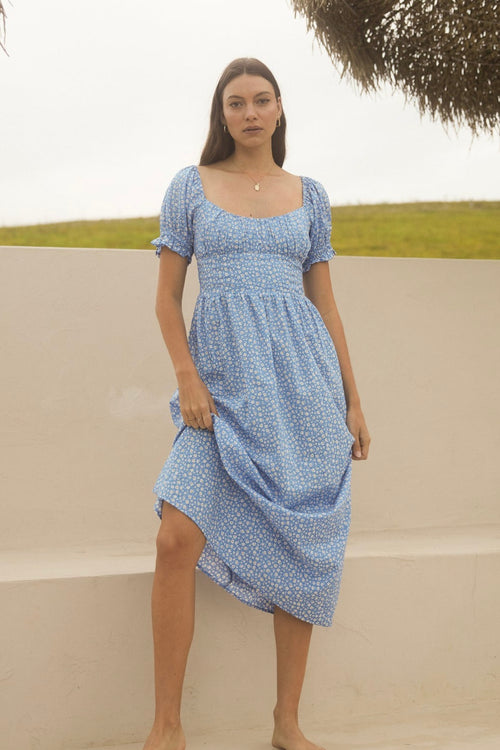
x=252, y=218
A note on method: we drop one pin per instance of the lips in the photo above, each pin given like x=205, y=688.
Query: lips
x=252, y=130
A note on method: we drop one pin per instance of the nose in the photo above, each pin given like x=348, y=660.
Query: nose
x=250, y=112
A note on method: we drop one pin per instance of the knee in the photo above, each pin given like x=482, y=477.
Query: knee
x=176, y=549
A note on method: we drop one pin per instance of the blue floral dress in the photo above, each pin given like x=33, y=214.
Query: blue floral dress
x=270, y=486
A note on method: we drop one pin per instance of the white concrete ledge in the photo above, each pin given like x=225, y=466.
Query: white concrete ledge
x=125, y=559
x=411, y=628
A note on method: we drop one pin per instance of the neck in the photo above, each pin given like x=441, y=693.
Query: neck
x=253, y=160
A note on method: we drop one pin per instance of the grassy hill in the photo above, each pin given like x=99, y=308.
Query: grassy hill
x=416, y=230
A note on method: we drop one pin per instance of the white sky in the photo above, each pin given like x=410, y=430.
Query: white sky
x=103, y=101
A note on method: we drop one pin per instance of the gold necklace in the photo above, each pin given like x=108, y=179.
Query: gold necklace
x=256, y=185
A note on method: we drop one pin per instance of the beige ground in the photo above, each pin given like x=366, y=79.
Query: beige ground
x=467, y=727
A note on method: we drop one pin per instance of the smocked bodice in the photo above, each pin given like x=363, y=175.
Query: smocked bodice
x=239, y=252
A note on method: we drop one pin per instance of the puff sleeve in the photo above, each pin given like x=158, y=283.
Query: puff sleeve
x=176, y=216
x=321, y=225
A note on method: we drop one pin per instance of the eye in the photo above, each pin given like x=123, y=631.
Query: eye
x=233, y=105
x=264, y=101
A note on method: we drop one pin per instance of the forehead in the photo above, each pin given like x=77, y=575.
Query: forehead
x=246, y=86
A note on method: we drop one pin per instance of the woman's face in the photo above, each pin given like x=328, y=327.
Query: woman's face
x=250, y=109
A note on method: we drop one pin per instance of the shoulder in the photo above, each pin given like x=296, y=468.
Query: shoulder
x=185, y=177
x=184, y=187
x=220, y=166
x=315, y=191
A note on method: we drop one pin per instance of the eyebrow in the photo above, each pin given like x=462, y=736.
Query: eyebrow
x=236, y=96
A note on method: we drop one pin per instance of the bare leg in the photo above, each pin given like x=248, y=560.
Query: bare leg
x=292, y=647
x=179, y=544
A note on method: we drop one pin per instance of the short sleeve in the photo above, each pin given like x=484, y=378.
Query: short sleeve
x=321, y=225
x=176, y=216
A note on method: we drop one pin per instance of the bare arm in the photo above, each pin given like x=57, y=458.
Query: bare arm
x=171, y=278
x=318, y=288
x=195, y=400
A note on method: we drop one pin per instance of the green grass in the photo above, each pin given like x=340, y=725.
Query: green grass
x=416, y=230
x=120, y=233
x=419, y=230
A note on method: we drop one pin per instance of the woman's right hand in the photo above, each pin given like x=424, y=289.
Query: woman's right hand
x=196, y=402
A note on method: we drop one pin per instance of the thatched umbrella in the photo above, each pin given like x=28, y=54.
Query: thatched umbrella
x=3, y=16
x=444, y=54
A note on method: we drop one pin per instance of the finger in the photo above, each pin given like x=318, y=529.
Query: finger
x=191, y=421
x=365, y=444
x=213, y=410
x=356, y=448
x=200, y=422
x=206, y=420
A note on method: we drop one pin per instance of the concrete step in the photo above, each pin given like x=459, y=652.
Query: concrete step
x=473, y=726
x=416, y=624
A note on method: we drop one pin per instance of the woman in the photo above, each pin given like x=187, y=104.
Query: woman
x=256, y=489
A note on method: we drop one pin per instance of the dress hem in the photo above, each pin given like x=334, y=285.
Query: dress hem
x=227, y=587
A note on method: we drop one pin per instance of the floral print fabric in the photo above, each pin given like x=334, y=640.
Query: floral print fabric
x=270, y=487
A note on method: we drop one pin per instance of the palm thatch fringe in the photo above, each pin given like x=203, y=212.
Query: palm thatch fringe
x=443, y=54
x=3, y=16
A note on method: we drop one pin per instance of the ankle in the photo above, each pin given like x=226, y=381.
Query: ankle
x=166, y=724
x=285, y=715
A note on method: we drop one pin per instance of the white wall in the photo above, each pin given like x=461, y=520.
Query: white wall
x=86, y=380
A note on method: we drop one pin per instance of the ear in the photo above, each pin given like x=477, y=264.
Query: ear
x=280, y=108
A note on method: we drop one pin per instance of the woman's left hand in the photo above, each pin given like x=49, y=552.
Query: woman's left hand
x=357, y=427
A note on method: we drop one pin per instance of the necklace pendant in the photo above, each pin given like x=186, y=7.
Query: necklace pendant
x=256, y=186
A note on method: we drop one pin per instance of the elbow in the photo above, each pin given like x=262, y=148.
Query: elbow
x=160, y=309
x=165, y=303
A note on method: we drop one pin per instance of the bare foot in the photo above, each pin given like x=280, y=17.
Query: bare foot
x=168, y=739
x=289, y=737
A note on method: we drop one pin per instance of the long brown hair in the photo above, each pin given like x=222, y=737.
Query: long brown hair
x=219, y=144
